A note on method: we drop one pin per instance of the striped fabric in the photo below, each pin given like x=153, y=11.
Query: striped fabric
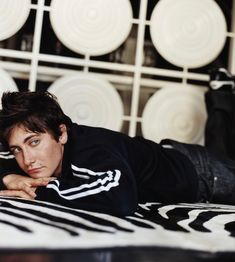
x=28, y=224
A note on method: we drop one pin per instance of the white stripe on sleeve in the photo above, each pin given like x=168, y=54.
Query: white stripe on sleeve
x=105, y=181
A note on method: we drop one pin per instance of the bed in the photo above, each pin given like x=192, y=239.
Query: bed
x=42, y=231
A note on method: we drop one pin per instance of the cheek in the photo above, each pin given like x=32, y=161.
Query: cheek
x=47, y=151
x=20, y=161
x=53, y=155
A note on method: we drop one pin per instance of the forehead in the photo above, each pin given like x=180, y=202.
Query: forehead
x=18, y=135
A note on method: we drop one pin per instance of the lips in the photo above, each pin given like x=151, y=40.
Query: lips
x=34, y=170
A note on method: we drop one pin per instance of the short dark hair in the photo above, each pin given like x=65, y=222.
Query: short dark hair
x=36, y=111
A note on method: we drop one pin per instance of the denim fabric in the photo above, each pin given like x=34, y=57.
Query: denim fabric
x=216, y=176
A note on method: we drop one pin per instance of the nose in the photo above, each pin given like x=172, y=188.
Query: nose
x=28, y=157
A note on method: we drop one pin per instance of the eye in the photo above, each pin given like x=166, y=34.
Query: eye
x=15, y=150
x=34, y=142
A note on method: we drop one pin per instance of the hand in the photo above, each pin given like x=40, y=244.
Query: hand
x=23, y=186
x=17, y=193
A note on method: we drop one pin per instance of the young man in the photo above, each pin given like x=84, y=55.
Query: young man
x=98, y=169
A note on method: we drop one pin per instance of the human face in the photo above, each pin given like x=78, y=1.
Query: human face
x=38, y=154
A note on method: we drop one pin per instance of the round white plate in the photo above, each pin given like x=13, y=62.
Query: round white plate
x=176, y=112
x=91, y=27
x=89, y=101
x=188, y=33
x=6, y=83
x=13, y=15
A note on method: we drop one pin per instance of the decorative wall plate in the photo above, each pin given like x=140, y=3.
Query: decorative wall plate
x=188, y=33
x=13, y=15
x=89, y=101
x=6, y=83
x=91, y=27
x=176, y=112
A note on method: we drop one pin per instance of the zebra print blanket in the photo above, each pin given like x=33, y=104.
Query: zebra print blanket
x=40, y=225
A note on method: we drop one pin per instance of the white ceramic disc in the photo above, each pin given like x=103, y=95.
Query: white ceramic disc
x=177, y=112
x=89, y=101
x=6, y=83
x=188, y=33
x=13, y=15
x=91, y=27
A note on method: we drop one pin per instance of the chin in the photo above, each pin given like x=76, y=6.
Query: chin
x=39, y=175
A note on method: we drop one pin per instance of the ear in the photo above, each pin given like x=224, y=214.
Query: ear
x=64, y=134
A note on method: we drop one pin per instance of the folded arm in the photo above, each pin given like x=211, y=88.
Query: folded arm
x=111, y=192
x=22, y=186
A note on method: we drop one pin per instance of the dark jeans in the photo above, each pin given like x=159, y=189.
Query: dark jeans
x=216, y=176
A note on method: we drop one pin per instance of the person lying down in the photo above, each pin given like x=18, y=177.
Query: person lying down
x=52, y=159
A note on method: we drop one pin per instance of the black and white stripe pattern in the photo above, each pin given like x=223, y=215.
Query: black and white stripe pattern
x=6, y=155
x=35, y=224
x=100, y=181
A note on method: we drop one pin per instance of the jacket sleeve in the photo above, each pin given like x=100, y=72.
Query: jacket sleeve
x=108, y=187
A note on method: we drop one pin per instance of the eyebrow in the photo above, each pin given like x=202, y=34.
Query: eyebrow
x=25, y=140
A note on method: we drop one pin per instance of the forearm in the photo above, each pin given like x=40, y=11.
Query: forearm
x=22, y=186
x=11, y=168
x=120, y=200
x=101, y=204
x=5, y=178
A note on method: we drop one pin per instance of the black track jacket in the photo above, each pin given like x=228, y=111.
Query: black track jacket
x=107, y=171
